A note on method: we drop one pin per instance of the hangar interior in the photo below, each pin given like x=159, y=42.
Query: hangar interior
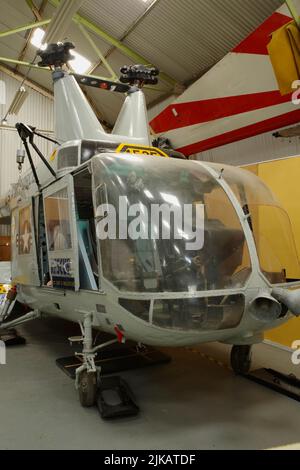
x=224, y=95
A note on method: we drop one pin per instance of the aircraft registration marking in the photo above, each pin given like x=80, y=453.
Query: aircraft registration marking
x=141, y=150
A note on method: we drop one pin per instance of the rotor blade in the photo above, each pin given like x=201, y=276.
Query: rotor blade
x=101, y=83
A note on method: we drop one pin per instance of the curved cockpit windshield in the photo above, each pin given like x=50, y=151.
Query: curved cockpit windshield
x=166, y=226
x=269, y=223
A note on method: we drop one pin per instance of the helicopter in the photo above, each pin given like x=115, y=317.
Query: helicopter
x=84, y=250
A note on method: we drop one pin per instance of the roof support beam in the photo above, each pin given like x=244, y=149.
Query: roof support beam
x=129, y=30
x=25, y=27
x=35, y=86
x=34, y=9
x=21, y=62
x=5, y=127
x=20, y=77
x=34, y=66
x=134, y=56
x=38, y=15
x=61, y=20
x=137, y=58
x=98, y=52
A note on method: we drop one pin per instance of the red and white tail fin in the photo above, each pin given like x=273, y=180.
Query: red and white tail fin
x=238, y=98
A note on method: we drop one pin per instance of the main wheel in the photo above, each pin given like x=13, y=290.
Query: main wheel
x=241, y=359
x=87, y=388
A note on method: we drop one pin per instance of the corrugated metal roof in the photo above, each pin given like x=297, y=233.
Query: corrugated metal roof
x=186, y=37
x=12, y=16
x=182, y=37
x=115, y=16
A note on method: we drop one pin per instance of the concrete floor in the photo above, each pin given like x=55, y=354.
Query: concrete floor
x=191, y=403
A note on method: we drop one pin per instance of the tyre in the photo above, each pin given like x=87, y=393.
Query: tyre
x=87, y=388
x=241, y=359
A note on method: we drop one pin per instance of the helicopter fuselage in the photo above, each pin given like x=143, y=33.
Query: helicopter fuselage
x=151, y=291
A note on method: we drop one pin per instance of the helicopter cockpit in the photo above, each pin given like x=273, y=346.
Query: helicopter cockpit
x=146, y=261
x=159, y=263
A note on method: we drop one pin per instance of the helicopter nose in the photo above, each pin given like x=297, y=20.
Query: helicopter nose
x=266, y=308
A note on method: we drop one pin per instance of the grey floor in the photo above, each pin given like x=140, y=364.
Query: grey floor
x=191, y=403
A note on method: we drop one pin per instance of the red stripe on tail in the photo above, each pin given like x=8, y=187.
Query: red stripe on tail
x=268, y=125
x=196, y=112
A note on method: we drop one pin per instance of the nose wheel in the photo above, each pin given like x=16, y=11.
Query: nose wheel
x=88, y=375
x=87, y=388
x=240, y=359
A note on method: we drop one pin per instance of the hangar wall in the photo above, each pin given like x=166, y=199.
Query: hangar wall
x=37, y=110
x=260, y=148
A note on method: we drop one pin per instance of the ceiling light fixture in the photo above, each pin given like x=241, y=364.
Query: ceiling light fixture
x=16, y=104
x=37, y=38
x=18, y=101
x=79, y=64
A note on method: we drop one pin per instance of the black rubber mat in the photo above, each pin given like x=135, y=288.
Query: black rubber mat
x=115, y=399
x=117, y=358
x=288, y=385
x=11, y=338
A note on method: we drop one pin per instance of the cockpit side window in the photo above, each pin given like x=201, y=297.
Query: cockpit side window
x=234, y=259
x=269, y=223
x=58, y=221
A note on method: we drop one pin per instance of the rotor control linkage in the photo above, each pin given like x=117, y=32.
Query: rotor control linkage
x=139, y=75
x=28, y=132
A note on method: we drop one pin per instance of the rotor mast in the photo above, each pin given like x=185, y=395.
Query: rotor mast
x=74, y=117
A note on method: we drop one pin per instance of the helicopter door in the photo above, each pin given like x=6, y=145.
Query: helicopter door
x=61, y=234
